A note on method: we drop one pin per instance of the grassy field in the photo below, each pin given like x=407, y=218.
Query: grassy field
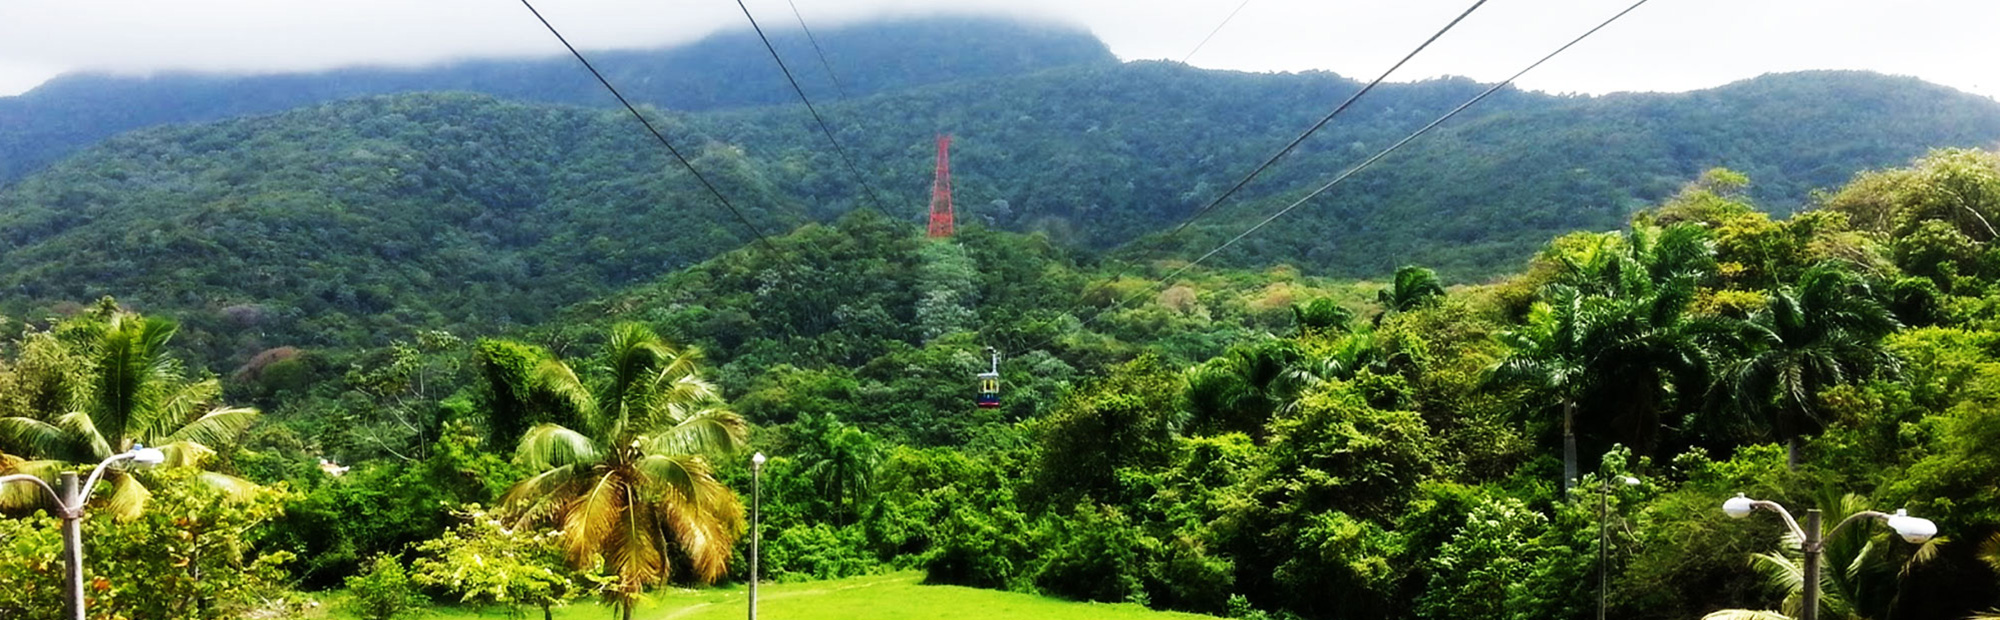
x=880, y=597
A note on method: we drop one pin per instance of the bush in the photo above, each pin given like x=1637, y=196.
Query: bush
x=384, y=590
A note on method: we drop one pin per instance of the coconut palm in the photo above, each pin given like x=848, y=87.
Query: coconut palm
x=131, y=393
x=1825, y=331
x=628, y=480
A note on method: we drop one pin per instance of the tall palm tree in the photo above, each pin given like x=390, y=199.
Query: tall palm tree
x=131, y=393
x=1825, y=331
x=628, y=480
x=1623, y=360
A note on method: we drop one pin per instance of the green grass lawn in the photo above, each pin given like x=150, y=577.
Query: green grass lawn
x=879, y=597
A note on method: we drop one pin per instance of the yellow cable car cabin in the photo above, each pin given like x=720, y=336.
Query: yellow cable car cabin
x=989, y=383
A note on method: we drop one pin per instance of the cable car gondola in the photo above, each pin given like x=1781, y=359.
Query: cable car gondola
x=989, y=384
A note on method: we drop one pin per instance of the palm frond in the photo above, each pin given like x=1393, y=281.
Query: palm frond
x=543, y=494
x=185, y=454
x=708, y=431
x=216, y=428
x=550, y=446
x=36, y=438
x=559, y=381
x=181, y=406
x=703, y=515
x=23, y=496
x=232, y=488
x=128, y=496
x=1989, y=551
x=592, y=518
x=1924, y=554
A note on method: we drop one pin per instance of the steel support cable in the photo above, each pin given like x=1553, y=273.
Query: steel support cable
x=1322, y=121
x=1344, y=175
x=1344, y=105
x=765, y=239
x=1211, y=33
x=817, y=51
x=851, y=169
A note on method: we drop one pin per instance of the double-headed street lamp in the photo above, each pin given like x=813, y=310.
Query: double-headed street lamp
x=756, y=471
x=69, y=506
x=1912, y=529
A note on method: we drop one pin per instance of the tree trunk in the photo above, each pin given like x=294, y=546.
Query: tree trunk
x=1569, y=445
x=1792, y=453
x=546, y=613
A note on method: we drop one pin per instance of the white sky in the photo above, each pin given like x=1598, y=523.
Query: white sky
x=1665, y=45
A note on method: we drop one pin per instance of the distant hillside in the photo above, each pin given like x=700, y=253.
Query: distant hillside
x=726, y=70
x=352, y=222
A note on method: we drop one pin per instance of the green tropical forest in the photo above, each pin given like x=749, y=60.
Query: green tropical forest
x=465, y=355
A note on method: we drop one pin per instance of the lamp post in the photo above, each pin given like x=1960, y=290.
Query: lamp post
x=1603, y=551
x=756, y=531
x=69, y=506
x=1912, y=529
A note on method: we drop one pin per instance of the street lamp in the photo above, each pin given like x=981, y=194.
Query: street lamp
x=756, y=471
x=1912, y=529
x=1604, y=551
x=69, y=506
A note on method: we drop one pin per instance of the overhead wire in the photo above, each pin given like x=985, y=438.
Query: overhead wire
x=830, y=75
x=1350, y=171
x=1337, y=110
x=1211, y=33
x=657, y=135
x=837, y=149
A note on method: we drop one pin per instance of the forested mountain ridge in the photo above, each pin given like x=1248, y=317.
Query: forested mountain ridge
x=347, y=223
x=729, y=69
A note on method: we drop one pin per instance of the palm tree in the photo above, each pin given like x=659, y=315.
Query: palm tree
x=1622, y=359
x=1414, y=287
x=1860, y=573
x=131, y=393
x=1240, y=391
x=631, y=482
x=841, y=460
x=1825, y=331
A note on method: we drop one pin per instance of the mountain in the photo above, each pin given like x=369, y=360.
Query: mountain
x=353, y=222
x=730, y=69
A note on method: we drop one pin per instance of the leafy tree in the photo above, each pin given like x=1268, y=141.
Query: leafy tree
x=384, y=591
x=635, y=480
x=130, y=393
x=1124, y=420
x=480, y=560
x=1826, y=331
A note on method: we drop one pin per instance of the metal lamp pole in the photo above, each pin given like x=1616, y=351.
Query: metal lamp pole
x=756, y=529
x=69, y=507
x=1912, y=529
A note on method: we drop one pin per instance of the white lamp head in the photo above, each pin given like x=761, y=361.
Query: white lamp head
x=757, y=459
x=1738, y=506
x=148, y=457
x=1913, y=529
x=1628, y=480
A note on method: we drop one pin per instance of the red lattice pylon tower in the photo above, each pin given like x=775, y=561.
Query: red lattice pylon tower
x=941, y=215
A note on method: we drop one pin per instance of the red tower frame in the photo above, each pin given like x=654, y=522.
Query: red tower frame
x=941, y=214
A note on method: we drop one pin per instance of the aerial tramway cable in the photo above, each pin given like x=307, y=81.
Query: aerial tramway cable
x=872, y=198
x=821, y=53
x=1344, y=175
x=724, y=200
x=1211, y=33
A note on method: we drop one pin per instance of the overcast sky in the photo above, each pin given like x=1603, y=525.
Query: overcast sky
x=1665, y=45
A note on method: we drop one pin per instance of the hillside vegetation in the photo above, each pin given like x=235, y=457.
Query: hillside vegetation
x=729, y=69
x=1257, y=444
x=350, y=223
